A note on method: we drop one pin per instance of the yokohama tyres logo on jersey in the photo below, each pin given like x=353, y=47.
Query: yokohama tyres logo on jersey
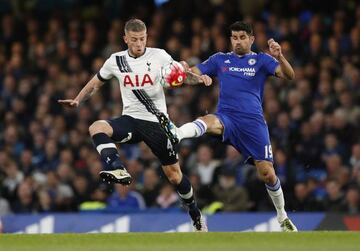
x=247, y=71
x=137, y=80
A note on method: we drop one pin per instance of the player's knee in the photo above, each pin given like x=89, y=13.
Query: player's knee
x=173, y=174
x=213, y=124
x=266, y=172
x=100, y=126
x=174, y=179
x=268, y=178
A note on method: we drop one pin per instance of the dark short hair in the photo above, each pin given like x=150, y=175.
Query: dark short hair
x=242, y=26
x=135, y=25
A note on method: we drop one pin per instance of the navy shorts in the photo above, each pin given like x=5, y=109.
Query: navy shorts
x=127, y=129
x=249, y=135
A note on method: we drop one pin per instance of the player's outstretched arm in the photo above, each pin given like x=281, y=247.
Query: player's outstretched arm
x=86, y=92
x=194, y=76
x=284, y=70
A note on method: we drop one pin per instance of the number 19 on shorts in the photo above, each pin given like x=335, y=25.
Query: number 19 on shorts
x=268, y=152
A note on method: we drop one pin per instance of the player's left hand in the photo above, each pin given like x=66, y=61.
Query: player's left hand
x=205, y=79
x=275, y=48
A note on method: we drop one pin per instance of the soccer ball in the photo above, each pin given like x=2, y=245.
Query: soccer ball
x=172, y=75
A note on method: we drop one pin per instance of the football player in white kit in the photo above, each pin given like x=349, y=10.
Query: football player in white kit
x=144, y=107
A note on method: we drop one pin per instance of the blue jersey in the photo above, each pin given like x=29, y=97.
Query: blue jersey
x=241, y=80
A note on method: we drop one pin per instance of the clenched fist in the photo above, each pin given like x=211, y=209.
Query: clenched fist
x=275, y=48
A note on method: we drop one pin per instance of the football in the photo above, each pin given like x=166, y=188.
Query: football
x=172, y=75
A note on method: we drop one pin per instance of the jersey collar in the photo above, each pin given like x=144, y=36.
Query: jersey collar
x=242, y=56
x=136, y=57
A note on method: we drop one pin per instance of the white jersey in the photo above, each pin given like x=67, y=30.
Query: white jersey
x=138, y=79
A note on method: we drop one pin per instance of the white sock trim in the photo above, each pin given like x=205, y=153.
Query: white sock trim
x=200, y=127
x=188, y=195
x=203, y=123
x=101, y=147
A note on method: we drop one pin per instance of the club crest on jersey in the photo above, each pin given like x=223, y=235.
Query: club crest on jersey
x=148, y=65
x=137, y=80
x=252, y=61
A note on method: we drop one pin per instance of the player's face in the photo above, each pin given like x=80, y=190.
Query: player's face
x=136, y=42
x=241, y=42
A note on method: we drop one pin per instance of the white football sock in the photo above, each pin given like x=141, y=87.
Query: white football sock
x=277, y=197
x=192, y=129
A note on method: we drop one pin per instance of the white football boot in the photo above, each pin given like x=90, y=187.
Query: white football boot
x=287, y=226
x=120, y=176
x=200, y=224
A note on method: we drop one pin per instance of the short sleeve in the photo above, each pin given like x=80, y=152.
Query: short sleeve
x=105, y=72
x=164, y=58
x=209, y=66
x=270, y=64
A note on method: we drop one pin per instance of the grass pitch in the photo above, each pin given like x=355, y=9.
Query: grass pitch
x=319, y=241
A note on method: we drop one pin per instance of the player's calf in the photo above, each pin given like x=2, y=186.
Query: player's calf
x=186, y=194
x=266, y=173
x=115, y=171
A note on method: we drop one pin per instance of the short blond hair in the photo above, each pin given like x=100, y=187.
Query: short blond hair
x=134, y=24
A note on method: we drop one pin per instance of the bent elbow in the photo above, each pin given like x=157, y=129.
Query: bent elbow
x=291, y=76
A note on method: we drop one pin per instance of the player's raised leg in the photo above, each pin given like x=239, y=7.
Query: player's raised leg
x=101, y=133
x=267, y=174
x=185, y=191
x=206, y=124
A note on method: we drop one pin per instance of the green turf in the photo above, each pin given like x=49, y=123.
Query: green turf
x=317, y=241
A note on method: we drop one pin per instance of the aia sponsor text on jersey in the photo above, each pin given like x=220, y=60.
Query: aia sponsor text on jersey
x=132, y=80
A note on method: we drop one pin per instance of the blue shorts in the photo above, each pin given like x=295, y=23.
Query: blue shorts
x=249, y=135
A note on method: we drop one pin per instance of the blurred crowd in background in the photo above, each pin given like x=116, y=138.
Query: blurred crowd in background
x=50, y=49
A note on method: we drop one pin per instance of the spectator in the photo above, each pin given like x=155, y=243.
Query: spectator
x=124, y=199
x=334, y=199
x=167, y=197
x=151, y=186
x=25, y=202
x=233, y=197
x=355, y=157
x=4, y=207
x=304, y=200
x=352, y=200
x=206, y=165
x=61, y=195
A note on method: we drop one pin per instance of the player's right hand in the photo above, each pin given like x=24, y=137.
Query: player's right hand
x=69, y=102
x=206, y=80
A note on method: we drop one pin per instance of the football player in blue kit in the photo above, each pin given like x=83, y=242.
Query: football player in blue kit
x=239, y=117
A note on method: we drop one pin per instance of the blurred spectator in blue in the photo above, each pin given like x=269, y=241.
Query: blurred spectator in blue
x=125, y=199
